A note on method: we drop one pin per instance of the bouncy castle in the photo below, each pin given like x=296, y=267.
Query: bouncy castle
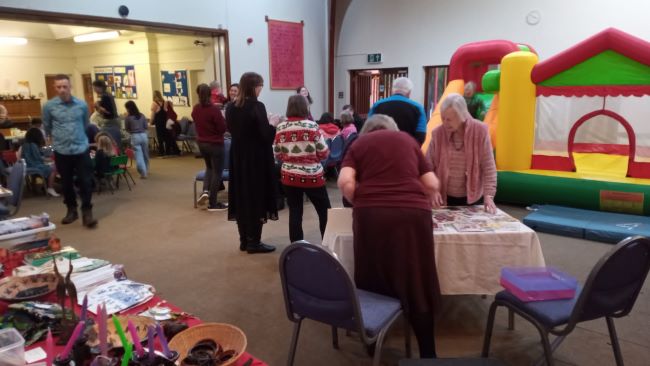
x=573, y=130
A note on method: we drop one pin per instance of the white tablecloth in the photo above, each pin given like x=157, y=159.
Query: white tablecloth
x=467, y=262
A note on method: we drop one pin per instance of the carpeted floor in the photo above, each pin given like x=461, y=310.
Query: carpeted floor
x=193, y=260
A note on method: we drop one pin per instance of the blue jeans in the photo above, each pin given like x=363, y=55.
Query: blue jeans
x=140, y=143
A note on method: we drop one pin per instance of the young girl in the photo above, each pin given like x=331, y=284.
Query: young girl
x=31, y=152
x=105, y=150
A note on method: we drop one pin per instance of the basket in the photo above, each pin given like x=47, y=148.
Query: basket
x=228, y=336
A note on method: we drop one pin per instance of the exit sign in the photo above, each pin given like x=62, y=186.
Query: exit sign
x=374, y=58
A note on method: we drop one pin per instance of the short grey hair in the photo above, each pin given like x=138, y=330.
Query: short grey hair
x=470, y=85
x=402, y=86
x=215, y=85
x=458, y=103
x=379, y=122
x=346, y=118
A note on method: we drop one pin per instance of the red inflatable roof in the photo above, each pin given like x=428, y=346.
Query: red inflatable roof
x=471, y=60
x=609, y=39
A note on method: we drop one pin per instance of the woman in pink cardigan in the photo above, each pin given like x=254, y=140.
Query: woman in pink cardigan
x=462, y=158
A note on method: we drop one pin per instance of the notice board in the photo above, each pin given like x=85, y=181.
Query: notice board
x=174, y=87
x=286, y=54
x=120, y=80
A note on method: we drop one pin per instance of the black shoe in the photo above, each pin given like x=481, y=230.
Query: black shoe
x=71, y=216
x=242, y=246
x=218, y=207
x=260, y=248
x=87, y=218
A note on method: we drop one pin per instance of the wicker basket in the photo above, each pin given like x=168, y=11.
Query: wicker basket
x=228, y=336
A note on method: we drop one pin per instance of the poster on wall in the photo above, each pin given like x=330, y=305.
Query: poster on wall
x=119, y=79
x=286, y=56
x=174, y=87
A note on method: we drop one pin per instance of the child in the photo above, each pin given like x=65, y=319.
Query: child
x=105, y=150
x=347, y=121
x=31, y=152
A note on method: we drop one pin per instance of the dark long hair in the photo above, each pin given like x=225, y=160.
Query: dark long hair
x=205, y=93
x=132, y=108
x=297, y=107
x=308, y=94
x=35, y=135
x=247, y=84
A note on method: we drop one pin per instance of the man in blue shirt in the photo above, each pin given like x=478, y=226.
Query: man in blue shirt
x=65, y=119
x=408, y=114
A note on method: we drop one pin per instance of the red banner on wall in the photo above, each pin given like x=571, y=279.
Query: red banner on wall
x=286, y=57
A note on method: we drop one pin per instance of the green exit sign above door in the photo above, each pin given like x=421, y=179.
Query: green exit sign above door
x=374, y=58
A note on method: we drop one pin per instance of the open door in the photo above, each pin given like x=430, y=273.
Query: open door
x=88, y=92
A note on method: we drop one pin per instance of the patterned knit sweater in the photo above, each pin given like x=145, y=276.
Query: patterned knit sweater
x=301, y=148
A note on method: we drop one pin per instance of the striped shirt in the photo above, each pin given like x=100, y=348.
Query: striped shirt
x=301, y=148
x=457, y=180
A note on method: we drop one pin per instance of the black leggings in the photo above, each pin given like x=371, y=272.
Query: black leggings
x=318, y=197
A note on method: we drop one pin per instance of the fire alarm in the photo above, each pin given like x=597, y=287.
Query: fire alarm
x=249, y=40
x=123, y=10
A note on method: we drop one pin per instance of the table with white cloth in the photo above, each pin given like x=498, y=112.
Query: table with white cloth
x=470, y=247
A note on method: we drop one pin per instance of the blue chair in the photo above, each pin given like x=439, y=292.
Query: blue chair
x=317, y=287
x=16, y=184
x=609, y=292
x=225, y=176
x=187, y=137
x=336, y=154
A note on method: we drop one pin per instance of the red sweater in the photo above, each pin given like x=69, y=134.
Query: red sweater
x=210, y=124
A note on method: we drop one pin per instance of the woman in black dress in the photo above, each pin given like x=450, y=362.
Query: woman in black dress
x=161, y=111
x=251, y=191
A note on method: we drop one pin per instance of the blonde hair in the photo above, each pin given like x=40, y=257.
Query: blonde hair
x=105, y=143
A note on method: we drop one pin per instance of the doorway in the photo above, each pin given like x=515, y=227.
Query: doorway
x=369, y=86
x=88, y=92
x=49, y=86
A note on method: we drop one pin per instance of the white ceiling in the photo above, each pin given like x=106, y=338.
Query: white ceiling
x=46, y=31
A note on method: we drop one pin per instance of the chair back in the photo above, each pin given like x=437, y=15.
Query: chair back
x=184, y=123
x=615, y=282
x=317, y=287
x=9, y=157
x=336, y=148
x=226, y=153
x=16, y=184
x=118, y=163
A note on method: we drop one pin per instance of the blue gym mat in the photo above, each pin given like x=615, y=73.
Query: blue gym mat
x=591, y=225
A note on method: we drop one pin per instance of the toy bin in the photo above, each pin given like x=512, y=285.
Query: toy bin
x=12, y=348
x=538, y=284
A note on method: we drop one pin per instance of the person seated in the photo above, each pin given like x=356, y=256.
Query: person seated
x=31, y=152
x=475, y=105
x=4, y=118
x=327, y=127
x=347, y=121
x=105, y=151
x=461, y=154
x=358, y=121
x=38, y=123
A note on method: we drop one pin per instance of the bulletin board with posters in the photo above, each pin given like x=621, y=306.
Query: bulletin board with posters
x=174, y=87
x=286, y=54
x=120, y=80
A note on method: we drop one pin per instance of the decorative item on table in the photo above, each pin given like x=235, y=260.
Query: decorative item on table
x=220, y=342
x=120, y=295
x=116, y=333
x=26, y=288
x=158, y=313
x=32, y=319
x=538, y=283
x=66, y=356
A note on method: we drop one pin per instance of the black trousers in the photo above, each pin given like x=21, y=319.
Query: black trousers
x=462, y=201
x=78, y=166
x=318, y=197
x=250, y=232
x=166, y=141
x=213, y=156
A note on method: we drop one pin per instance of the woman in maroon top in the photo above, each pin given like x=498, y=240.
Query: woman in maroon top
x=210, y=127
x=391, y=186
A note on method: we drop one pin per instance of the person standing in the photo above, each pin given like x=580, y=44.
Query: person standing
x=105, y=106
x=65, y=119
x=251, y=192
x=161, y=111
x=210, y=127
x=407, y=113
x=305, y=93
x=301, y=148
x=136, y=124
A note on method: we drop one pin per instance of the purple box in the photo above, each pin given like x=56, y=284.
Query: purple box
x=538, y=283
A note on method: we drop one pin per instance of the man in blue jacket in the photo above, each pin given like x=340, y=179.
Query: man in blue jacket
x=408, y=114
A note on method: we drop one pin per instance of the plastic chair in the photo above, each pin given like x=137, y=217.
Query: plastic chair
x=609, y=292
x=16, y=184
x=119, y=170
x=317, y=287
x=225, y=175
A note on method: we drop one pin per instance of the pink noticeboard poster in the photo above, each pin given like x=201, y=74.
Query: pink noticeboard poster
x=286, y=57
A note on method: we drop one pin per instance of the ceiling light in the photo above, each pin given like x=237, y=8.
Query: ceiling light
x=16, y=41
x=98, y=36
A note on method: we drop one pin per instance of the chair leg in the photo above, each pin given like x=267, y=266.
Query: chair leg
x=511, y=319
x=195, y=193
x=548, y=350
x=130, y=176
x=380, y=340
x=407, y=337
x=614, y=339
x=294, y=342
x=487, y=338
x=335, y=338
x=127, y=181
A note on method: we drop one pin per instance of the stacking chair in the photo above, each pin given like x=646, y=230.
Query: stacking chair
x=119, y=170
x=317, y=287
x=187, y=137
x=609, y=292
x=336, y=154
x=225, y=175
x=16, y=184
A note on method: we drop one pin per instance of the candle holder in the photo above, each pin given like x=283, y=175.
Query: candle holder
x=81, y=352
x=158, y=360
x=106, y=361
x=63, y=362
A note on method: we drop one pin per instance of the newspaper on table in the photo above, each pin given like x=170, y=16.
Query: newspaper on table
x=468, y=219
x=118, y=296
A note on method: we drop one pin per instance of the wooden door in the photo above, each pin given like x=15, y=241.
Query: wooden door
x=88, y=91
x=369, y=86
x=49, y=86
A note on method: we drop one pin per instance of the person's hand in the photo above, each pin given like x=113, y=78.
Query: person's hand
x=274, y=119
x=490, y=207
x=436, y=200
